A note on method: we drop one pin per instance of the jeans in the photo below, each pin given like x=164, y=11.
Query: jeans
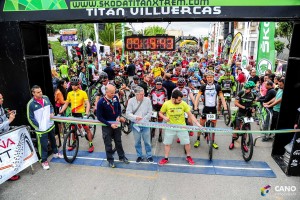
x=145, y=134
x=108, y=134
x=43, y=144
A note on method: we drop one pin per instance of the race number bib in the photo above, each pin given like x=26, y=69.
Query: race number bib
x=226, y=94
x=248, y=120
x=154, y=114
x=210, y=116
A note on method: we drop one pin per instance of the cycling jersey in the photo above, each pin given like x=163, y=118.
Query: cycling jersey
x=185, y=91
x=210, y=93
x=217, y=76
x=195, y=80
x=77, y=99
x=157, y=71
x=158, y=97
x=245, y=99
x=227, y=82
x=64, y=71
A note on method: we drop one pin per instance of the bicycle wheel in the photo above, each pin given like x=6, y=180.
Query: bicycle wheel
x=210, y=142
x=247, y=140
x=227, y=115
x=92, y=127
x=126, y=127
x=71, y=140
x=152, y=132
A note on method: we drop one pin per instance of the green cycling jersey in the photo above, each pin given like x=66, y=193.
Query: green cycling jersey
x=227, y=82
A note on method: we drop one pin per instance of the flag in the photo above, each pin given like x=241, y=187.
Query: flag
x=266, y=48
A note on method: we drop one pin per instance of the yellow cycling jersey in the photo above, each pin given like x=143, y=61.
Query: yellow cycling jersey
x=77, y=99
x=175, y=112
x=157, y=71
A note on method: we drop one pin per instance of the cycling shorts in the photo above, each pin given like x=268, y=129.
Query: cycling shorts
x=79, y=115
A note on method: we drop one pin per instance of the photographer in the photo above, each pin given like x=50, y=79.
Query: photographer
x=4, y=125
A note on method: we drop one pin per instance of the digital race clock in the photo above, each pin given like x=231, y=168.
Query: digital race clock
x=149, y=43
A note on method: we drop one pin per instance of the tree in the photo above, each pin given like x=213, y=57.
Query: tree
x=107, y=35
x=279, y=46
x=284, y=30
x=153, y=30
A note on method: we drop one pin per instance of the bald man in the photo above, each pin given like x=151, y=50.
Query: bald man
x=109, y=109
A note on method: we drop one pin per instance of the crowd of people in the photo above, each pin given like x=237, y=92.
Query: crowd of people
x=172, y=84
x=153, y=78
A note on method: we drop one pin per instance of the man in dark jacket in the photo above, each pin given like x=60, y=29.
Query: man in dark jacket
x=169, y=85
x=131, y=69
x=110, y=72
x=271, y=93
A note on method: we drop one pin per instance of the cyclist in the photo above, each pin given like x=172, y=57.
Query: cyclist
x=194, y=79
x=78, y=98
x=120, y=86
x=210, y=91
x=244, y=100
x=157, y=70
x=63, y=70
x=227, y=84
x=158, y=96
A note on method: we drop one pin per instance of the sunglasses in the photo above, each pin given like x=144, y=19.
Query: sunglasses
x=158, y=83
x=74, y=84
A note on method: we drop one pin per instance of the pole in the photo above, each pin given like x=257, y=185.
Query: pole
x=115, y=39
x=123, y=40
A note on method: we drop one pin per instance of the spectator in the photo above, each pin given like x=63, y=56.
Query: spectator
x=169, y=85
x=263, y=88
x=271, y=93
x=139, y=109
x=131, y=69
x=60, y=97
x=144, y=84
x=4, y=126
x=39, y=111
x=109, y=109
x=253, y=77
x=83, y=79
x=88, y=50
x=276, y=103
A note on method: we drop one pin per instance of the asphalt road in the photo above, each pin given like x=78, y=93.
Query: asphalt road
x=67, y=181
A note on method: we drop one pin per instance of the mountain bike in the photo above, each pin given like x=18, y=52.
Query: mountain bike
x=246, y=138
x=154, y=118
x=227, y=115
x=209, y=137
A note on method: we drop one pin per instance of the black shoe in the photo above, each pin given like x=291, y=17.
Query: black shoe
x=139, y=160
x=111, y=164
x=150, y=160
x=124, y=160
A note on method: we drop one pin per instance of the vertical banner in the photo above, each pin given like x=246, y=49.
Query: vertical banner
x=226, y=46
x=16, y=153
x=266, y=48
x=245, y=52
x=235, y=45
x=123, y=41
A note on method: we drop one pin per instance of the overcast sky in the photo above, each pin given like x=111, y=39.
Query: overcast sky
x=189, y=28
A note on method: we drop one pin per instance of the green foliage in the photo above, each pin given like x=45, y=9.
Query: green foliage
x=106, y=36
x=284, y=30
x=279, y=46
x=205, y=38
x=153, y=30
x=84, y=31
x=59, y=51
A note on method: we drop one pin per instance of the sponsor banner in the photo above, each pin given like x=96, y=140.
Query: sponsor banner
x=68, y=32
x=236, y=43
x=245, y=53
x=75, y=120
x=226, y=45
x=69, y=43
x=72, y=10
x=68, y=37
x=266, y=48
x=16, y=153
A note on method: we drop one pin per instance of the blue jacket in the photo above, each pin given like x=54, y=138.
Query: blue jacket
x=39, y=116
x=106, y=113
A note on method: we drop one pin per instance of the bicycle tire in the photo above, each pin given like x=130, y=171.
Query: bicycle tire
x=210, y=142
x=152, y=132
x=68, y=141
x=66, y=126
x=249, y=142
x=227, y=115
x=92, y=127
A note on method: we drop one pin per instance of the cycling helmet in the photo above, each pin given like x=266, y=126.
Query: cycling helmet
x=181, y=82
x=249, y=85
x=74, y=80
x=227, y=70
x=118, y=79
x=103, y=76
x=191, y=69
x=135, y=77
x=158, y=80
x=209, y=73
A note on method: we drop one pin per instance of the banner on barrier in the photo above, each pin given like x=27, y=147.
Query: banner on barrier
x=16, y=153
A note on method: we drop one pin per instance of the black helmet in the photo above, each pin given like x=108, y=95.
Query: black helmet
x=74, y=80
x=103, y=76
x=158, y=80
x=135, y=77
